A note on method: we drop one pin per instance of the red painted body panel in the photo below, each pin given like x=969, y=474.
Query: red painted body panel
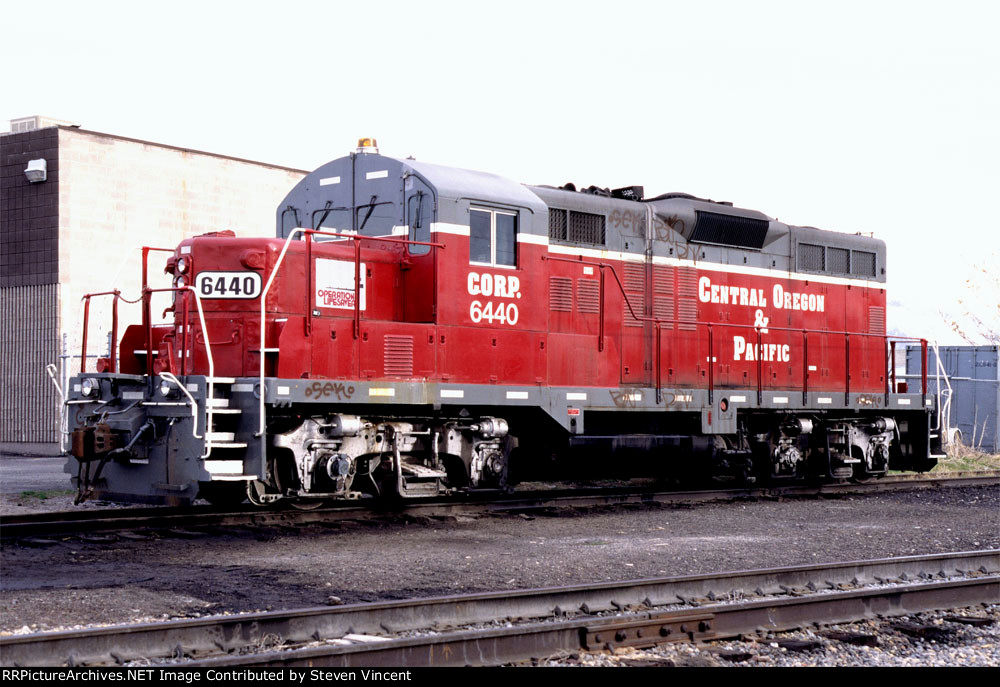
x=420, y=312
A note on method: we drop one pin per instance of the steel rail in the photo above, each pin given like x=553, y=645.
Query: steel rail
x=233, y=635
x=540, y=640
x=110, y=520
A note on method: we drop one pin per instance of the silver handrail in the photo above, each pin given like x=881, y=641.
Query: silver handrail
x=210, y=390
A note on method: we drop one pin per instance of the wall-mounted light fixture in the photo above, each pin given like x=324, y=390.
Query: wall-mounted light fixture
x=36, y=171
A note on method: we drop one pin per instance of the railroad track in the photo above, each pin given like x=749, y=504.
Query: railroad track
x=507, y=627
x=37, y=527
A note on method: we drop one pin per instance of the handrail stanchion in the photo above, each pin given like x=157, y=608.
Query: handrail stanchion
x=309, y=286
x=114, y=327
x=923, y=372
x=147, y=325
x=147, y=316
x=186, y=331
x=805, y=367
x=114, y=333
x=760, y=371
x=892, y=363
x=847, y=369
x=86, y=326
x=659, y=394
x=357, y=287
x=887, y=362
x=600, y=316
x=711, y=366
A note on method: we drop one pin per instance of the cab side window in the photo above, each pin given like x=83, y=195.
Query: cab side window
x=493, y=237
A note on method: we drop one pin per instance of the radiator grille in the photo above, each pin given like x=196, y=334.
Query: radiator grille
x=838, y=260
x=811, y=257
x=862, y=263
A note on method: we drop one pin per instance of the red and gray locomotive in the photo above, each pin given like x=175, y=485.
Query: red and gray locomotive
x=414, y=329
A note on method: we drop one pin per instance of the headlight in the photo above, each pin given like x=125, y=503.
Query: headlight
x=166, y=389
x=90, y=387
x=182, y=265
x=180, y=282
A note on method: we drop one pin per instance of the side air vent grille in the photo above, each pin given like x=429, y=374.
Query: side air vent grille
x=576, y=227
x=727, y=230
x=398, y=355
x=876, y=320
x=561, y=294
x=585, y=227
x=687, y=298
x=589, y=300
x=557, y=224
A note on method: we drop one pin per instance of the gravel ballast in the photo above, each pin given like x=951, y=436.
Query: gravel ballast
x=75, y=582
x=955, y=644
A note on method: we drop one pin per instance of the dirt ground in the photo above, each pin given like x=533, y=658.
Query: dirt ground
x=73, y=583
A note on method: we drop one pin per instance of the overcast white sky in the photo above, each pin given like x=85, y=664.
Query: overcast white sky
x=853, y=116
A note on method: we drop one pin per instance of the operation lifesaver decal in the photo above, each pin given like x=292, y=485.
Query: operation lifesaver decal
x=335, y=284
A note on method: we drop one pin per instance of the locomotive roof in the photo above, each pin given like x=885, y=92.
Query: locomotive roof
x=717, y=232
x=455, y=182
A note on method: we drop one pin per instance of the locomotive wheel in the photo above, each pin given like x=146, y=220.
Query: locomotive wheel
x=861, y=476
x=306, y=504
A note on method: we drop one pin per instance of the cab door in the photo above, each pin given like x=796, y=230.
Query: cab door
x=420, y=262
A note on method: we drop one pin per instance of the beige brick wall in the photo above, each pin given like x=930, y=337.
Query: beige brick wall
x=117, y=195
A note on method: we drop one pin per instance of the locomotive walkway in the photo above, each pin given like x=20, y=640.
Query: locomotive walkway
x=490, y=629
x=35, y=529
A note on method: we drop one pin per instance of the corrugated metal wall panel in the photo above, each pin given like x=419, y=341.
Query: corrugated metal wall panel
x=974, y=375
x=29, y=404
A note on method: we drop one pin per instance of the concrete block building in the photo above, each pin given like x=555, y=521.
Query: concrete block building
x=76, y=207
